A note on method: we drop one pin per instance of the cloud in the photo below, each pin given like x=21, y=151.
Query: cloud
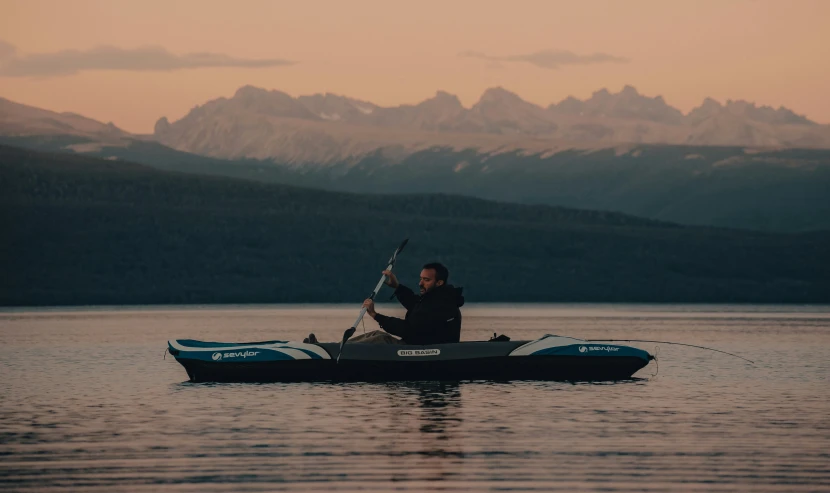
x=150, y=58
x=550, y=59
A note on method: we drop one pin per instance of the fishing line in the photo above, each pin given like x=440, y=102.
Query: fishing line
x=667, y=342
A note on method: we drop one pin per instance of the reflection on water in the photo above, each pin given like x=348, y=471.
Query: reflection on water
x=88, y=404
x=439, y=404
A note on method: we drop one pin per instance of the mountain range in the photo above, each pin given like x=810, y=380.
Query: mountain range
x=328, y=142
x=325, y=128
x=262, y=124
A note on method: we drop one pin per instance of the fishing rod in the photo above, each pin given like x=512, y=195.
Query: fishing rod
x=351, y=330
x=667, y=342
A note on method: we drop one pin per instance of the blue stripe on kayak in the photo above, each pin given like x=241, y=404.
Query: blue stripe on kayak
x=592, y=350
x=238, y=356
x=201, y=344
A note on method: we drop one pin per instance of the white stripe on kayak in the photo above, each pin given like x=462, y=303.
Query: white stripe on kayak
x=545, y=343
x=294, y=353
x=276, y=346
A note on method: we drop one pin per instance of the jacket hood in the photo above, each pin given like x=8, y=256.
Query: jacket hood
x=449, y=292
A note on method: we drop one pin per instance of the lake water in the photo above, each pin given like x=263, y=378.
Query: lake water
x=89, y=404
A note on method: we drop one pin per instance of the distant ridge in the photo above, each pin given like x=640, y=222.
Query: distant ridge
x=768, y=190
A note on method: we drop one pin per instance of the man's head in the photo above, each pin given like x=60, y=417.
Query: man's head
x=433, y=275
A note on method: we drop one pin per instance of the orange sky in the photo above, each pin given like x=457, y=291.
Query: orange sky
x=769, y=52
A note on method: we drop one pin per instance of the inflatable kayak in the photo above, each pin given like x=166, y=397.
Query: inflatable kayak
x=549, y=358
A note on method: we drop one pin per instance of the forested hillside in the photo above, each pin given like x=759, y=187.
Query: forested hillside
x=80, y=230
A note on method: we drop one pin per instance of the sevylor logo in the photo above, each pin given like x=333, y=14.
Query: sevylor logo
x=419, y=352
x=239, y=354
x=609, y=349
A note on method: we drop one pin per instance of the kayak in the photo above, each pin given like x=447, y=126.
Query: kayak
x=551, y=357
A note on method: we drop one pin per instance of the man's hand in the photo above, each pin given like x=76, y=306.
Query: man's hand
x=370, y=307
x=391, y=280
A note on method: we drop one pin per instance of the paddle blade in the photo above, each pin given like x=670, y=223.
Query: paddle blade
x=350, y=332
x=400, y=248
x=346, y=335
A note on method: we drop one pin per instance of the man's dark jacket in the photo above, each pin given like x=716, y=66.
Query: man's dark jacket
x=433, y=318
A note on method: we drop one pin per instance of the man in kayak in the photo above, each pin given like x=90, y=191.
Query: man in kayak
x=431, y=318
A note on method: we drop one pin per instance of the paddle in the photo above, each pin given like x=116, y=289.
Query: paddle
x=351, y=330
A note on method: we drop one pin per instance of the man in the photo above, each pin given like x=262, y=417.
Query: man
x=431, y=318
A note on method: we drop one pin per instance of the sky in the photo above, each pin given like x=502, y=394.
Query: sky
x=132, y=62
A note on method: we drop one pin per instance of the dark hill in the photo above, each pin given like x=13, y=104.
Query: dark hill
x=81, y=230
x=783, y=190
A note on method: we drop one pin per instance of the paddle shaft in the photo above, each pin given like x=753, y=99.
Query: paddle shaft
x=351, y=330
x=372, y=296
